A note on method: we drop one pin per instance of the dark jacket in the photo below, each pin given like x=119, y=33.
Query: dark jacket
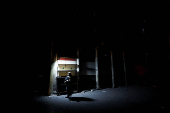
x=68, y=79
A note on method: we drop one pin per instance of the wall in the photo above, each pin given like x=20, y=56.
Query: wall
x=66, y=62
x=64, y=73
x=53, y=75
x=87, y=75
x=87, y=68
x=67, y=67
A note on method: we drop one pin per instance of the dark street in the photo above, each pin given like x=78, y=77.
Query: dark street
x=136, y=99
x=115, y=55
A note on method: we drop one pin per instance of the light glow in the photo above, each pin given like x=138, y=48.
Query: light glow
x=66, y=62
x=77, y=61
x=77, y=69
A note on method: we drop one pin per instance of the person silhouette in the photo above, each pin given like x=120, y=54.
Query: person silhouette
x=68, y=82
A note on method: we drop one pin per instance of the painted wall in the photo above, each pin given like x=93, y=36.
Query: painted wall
x=64, y=73
x=67, y=67
x=66, y=62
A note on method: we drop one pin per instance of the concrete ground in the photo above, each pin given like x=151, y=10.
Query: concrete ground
x=124, y=99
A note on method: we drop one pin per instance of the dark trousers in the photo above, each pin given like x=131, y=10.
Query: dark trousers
x=69, y=89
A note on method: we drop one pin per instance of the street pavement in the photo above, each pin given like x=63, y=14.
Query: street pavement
x=124, y=99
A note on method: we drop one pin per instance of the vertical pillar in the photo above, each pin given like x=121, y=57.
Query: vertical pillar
x=56, y=76
x=112, y=69
x=78, y=69
x=124, y=68
x=50, y=89
x=51, y=52
x=96, y=67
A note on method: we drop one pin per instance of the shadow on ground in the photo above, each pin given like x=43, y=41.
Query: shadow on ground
x=78, y=99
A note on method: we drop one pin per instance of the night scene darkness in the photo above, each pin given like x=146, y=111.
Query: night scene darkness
x=118, y=54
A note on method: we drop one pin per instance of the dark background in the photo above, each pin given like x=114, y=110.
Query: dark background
x=30, y=28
